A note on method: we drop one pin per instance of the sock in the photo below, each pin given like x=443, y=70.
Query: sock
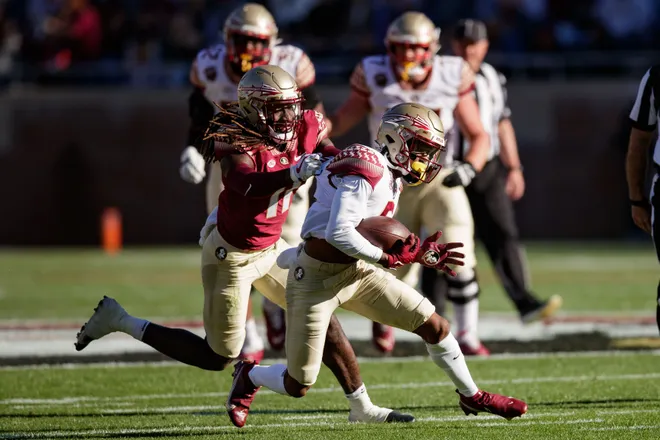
x=359, y=400
x=467, y=317
x=271, y=377
x=447, y=355
x=253, y=341
x=133, y=326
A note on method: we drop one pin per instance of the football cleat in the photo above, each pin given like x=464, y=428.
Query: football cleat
x=275, y=325
x=241, y=394
x=382, y=337
x=253, y=356
x=376, y=414
x=107, y=315
x=469, y=350
x=483, y=401
x=544, y=310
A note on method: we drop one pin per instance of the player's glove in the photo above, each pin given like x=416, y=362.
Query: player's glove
x=193, y=165
x=309, y=165
x=404, y=252
x=462, y=175
x=209, y=226
x=437, y=256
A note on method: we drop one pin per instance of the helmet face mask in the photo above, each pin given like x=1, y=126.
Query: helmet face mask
x=412, y=137
x=272, y=102
x=250, y=33
x=412, y=41
x=247, y=51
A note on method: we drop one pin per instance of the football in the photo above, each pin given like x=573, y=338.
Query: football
x=382, y=232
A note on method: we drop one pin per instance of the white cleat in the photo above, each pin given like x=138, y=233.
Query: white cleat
x=376, y=414
x=106, y=318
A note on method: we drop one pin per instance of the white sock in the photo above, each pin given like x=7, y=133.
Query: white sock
x=359, y=400
x=447, y=355
x=253, y=341
x=271, y=377
x=133, y=326
x=467, y=318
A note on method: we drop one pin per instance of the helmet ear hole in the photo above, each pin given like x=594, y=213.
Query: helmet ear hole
x=389, y=139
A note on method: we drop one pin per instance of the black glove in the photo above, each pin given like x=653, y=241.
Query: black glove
x=462, y=175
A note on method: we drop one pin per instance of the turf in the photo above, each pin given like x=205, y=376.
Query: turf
x=579, y=396
x=165, y=283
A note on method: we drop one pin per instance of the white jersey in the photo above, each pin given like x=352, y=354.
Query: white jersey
x=356, y=185
x=210, y=72
x=450, y=77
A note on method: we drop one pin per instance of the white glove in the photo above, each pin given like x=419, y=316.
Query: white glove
x=193, y=165
x=209, y=226
x=309, y=165
x=287, y=258
x=462, y=175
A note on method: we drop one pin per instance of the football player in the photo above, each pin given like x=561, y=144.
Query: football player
x=242, y=242
x=250, y=40
x=411, y=71
x=337, y=267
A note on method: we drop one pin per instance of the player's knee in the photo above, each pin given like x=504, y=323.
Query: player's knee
x=224, y=349
x=434, y=330
x=464, y=287
x=295, y=388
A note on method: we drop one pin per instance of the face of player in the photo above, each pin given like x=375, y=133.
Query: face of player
x=249, y=51
x=472, y=52
x=424, y=161
x=411, y=60
x=283, y=119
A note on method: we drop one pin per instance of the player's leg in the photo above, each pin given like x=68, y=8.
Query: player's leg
x=495, y=222
x=448, y=210
x=384, y=298
x=311, y=313
x=434, y=286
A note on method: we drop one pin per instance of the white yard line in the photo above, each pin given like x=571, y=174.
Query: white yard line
x=385, y=386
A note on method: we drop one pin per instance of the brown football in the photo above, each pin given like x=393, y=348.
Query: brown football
x=382, y=232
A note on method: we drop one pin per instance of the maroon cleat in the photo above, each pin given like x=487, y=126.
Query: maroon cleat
x=480, y=350
x=483, y=401
x=241, y=394
x=382, y=337
x=253, y=356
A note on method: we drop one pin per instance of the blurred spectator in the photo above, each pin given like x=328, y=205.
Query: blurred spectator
x=10, y=43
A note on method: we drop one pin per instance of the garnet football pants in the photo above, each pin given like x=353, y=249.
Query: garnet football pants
x=315, y=289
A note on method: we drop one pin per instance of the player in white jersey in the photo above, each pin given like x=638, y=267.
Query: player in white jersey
x=336, y=265
x=412, y=72
x=250, y=36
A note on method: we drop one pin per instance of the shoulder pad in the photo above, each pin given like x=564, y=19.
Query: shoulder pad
x=358, y=160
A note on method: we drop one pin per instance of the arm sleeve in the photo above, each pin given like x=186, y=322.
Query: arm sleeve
x=242, y=179
x=643, y=114
x=200, y=112
x=349, y=208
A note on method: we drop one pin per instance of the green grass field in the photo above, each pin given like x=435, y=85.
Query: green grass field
x=579, y=396
x=165, y=283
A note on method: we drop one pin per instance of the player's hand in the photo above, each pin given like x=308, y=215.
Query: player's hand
x=404, y=252
x=437, y=256
x=308, y=166
x=462, y=175
x=515, y=184
x=209, y=226
x=193, y=165
x=642, y=217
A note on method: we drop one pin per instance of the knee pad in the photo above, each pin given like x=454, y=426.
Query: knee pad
x=464, y=287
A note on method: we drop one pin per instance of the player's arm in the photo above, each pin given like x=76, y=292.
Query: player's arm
x=324, y=145
x=355, y=108
x=643, y=119
x=306, y=80
x=469, y=121
x=349, y=208
x=515, y=186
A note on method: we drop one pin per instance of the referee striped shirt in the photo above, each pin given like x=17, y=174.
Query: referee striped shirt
x=644, y=114
x=490, y=93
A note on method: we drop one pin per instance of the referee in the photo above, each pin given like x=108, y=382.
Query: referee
x=492, y=192
x=644, y=118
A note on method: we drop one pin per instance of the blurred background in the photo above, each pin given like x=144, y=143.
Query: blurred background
x=93, y=115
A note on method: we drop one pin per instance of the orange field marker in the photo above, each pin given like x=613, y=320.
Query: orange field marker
x=111, y=230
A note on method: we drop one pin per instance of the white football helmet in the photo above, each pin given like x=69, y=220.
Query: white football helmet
x=413, y=140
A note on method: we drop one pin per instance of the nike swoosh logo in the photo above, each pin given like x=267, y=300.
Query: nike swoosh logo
x=297, y=158
x=456, y=357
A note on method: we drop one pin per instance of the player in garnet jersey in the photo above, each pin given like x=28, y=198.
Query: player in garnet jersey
x=336, y=266
x=411, y=71
x=250, y=40
x=241, y=244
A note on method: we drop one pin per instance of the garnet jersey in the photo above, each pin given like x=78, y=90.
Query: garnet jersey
x=209, y=71
x=357, y=184
x=252, y=218
x=374, y=78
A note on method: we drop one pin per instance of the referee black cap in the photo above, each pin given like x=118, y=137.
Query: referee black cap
x=470, y=30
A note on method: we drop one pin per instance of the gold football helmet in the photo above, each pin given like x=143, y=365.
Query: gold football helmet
x=412, y=40
x=413, y=140
x=271, y=100
x=250, y=33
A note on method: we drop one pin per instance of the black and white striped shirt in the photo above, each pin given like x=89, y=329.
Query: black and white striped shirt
x=490, y=93
x=645, y=112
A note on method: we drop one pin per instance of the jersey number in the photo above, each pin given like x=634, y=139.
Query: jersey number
x=389, y=210
x=279, y=205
